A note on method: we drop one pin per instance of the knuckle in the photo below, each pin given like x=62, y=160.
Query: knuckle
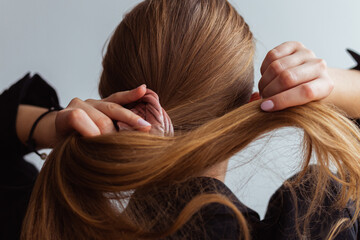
x=276, y=67
x=111, y=107
x=75, y=115
x=104, y=123
x=287, y=79
x=308, y=92
x=89, y=100
x=310, y=53
x=322, y=64
x=273, y=54
x=298, y=44
x=75, y=102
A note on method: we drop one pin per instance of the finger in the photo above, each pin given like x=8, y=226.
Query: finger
x=119, y=113
x=124, y=126
x=293, y=77
x=102, y=121
x=278, y=66
x=68, y=120
x=302, y=94
x=127, y=97
x=278, y=52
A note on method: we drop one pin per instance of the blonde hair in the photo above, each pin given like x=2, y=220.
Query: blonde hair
x=197, y=55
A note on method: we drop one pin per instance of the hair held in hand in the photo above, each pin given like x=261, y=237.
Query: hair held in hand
x=197, y=55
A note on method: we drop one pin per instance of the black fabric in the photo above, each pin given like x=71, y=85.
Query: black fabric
x=281, y=213
x=356, y=57
x=215, y=221
x=16, y=175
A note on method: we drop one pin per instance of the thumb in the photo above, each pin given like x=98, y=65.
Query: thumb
x=126, y=97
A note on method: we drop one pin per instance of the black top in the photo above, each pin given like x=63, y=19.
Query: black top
x=17, y=178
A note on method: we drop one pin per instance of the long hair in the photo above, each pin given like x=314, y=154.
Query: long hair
x=197, y=55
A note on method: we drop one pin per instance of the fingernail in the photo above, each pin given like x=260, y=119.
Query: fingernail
x=142, y=85
x=267, y=105
x=143, y=123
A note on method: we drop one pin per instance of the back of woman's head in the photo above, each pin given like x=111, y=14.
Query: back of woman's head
x=197, y=56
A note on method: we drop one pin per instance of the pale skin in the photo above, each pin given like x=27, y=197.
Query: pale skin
x=291, y=76
x=89, y=118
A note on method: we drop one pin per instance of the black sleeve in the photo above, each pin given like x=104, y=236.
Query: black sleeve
x=16, y=175
x=29, y=90
x=356, y=57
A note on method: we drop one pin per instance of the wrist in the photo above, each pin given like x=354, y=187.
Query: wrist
x=45, y=133
x=346, y=92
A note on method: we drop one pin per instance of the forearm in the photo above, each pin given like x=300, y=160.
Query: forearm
x=346, y=93
x=44, y=134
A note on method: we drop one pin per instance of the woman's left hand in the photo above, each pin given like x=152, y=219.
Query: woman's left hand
x=88, y=118
x=291, y=76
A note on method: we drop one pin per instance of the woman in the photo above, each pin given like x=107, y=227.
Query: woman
x=197, y=56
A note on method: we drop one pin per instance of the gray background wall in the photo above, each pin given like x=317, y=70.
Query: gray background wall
x=63, y=41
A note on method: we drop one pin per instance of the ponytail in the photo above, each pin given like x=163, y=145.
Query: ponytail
x=85, y=185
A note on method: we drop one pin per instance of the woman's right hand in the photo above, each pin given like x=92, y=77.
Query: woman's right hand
x=291, y=76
